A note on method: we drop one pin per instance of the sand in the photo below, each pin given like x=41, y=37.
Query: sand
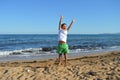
x=104, y=66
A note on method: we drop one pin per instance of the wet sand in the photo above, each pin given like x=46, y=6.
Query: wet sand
x=104, y=66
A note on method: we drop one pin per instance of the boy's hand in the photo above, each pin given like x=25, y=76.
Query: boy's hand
x=60, y=22
x=61, y=17
x=73, y=20
x=70, y=24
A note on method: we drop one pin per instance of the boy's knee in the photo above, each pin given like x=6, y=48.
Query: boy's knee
x=64, y=54
x=60, y=54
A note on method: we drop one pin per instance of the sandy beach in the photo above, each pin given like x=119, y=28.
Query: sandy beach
x=104, y=66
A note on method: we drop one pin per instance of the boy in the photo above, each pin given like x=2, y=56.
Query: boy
x=62, y=38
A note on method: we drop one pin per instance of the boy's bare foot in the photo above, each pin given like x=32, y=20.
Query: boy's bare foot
x=59, y=63
x=66, y=64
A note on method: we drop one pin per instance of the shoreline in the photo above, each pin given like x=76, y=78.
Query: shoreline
x=52, y=57
x=70, y=57
x=37, y=54
x=42, y=57
x=94, y=66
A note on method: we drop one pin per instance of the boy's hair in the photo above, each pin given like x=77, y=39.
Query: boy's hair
x=63, y=24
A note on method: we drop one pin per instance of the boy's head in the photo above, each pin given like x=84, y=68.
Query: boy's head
x=64, y=26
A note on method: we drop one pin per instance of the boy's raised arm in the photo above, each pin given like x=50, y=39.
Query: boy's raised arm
x=60, y=22
x=70, y=25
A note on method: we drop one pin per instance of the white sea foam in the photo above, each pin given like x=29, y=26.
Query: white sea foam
x=115, y=47
x=22, y=51
x=4, y=53
x=35, y=51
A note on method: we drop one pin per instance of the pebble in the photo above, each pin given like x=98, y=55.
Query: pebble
x=28, y=70
x=98, y=79
x=91, y=73
x=110, y=73
x=103, y=64
x=117, y=78
x=112, y=68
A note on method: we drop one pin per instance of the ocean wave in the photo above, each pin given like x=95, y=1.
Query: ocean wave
x=21, y=52
x=52, y=50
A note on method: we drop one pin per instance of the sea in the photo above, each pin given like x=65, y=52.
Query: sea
x=15, y=47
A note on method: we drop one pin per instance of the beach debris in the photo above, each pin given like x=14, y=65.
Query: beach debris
x=46, y=70
x=28, y=70
x=5, y=71
x=20, y=76
x=78, y=73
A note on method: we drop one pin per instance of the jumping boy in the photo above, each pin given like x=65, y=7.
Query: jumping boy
x=62, y=41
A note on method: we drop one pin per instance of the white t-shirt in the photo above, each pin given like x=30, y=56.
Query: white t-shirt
x=62, y=35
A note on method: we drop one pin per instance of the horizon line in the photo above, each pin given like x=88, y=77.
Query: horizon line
x=50, y=33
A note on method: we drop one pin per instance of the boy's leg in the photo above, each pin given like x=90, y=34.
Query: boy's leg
x=65, y=56
x=60, y=59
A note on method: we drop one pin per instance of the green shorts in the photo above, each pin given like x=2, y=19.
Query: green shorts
x=62, y=48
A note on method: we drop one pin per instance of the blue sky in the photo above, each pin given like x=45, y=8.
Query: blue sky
x=42, y=16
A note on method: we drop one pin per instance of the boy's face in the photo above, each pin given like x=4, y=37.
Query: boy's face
x=64, y=27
